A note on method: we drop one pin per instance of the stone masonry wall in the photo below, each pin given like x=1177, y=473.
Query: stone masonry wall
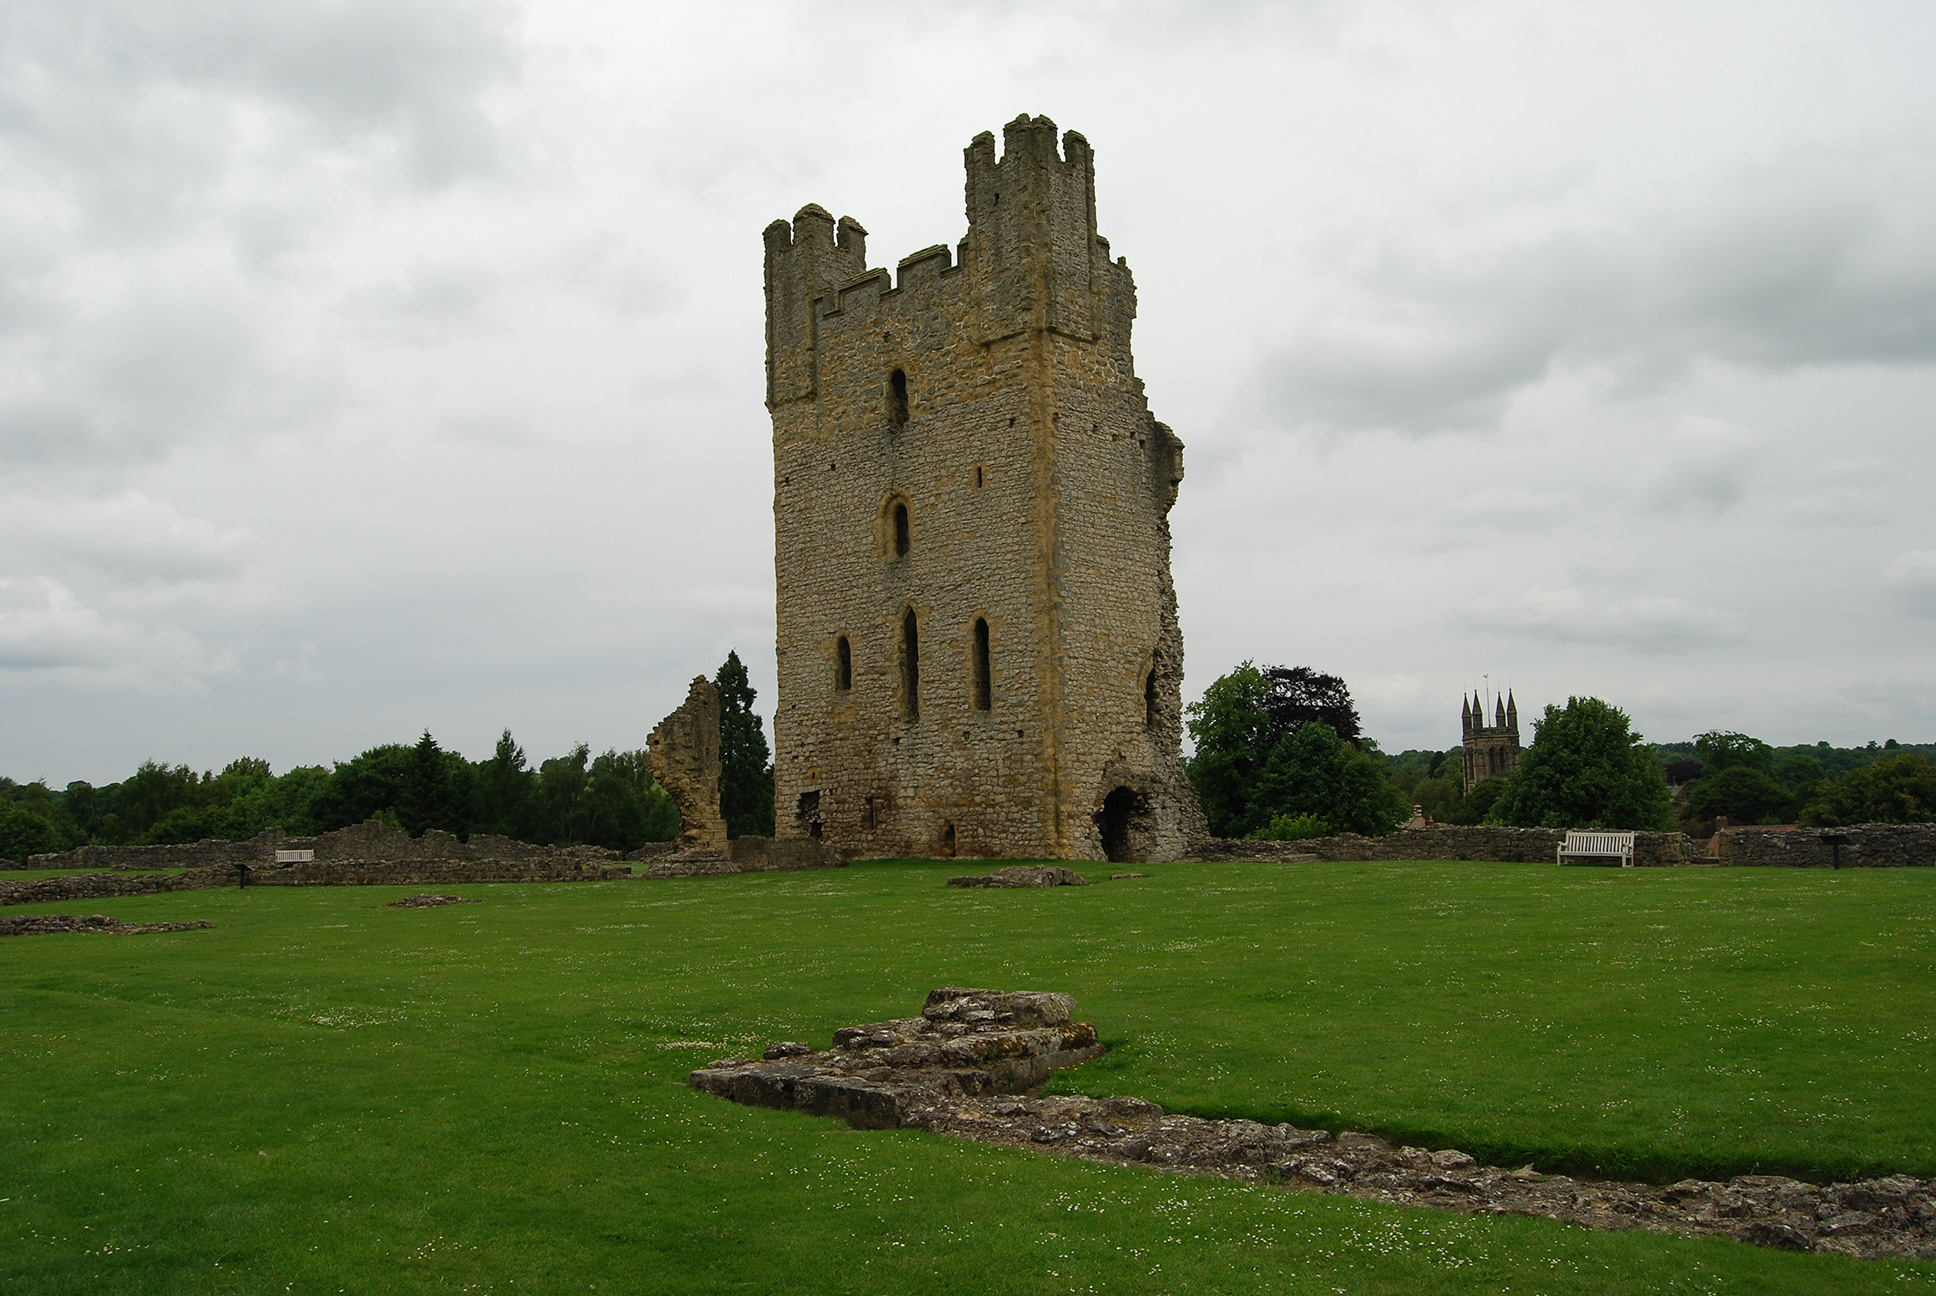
x=1867, y=846
x=1450, y=842
x=1036, y=489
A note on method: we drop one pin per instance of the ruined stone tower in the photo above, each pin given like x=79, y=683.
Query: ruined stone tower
x=978, y=641
x=1491, y=750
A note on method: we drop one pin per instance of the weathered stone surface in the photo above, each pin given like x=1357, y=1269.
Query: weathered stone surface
x=879, y=1076
x=44, y=924
x=965, y=451
x=965, y=1066
x=1861, y=846
x=747, y=855
x=684, y=751
x=1023, y=875
x=766, y=854
x=427, y=901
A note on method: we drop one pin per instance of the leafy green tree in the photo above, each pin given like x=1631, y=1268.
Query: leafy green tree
x=1231, y=732
x=1894, y=789
x=436, y=793
x=1315, y=773
x=1744, y=793
x=561, y=796
x=745, y=767
x=30, y=829
x=359, y=789
x=1292, y=828
x=503, y=793
x=1296, y=694
x=1723, y=749
x=1438, y=797
x=1476, y=806
x=624, y=805
x=1586, y=769
x=153, y=792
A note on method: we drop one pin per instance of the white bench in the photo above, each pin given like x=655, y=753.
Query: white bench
x=1597, y=846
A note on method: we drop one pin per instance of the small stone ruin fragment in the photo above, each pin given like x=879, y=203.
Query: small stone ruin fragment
x=886, y=1074
x=428, y=901
x=1023, y=875
x=684, y=751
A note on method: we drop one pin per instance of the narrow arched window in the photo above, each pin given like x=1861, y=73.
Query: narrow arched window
x=900, y=529
x=984, y=690
x=1149, y=699
x=843, y=664
x=897, y=399
x=910, y=666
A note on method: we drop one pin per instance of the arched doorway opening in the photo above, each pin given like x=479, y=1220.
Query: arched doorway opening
x=1113, y=823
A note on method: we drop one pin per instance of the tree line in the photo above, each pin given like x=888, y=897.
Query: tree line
x=1279, y=755
x=610, y=800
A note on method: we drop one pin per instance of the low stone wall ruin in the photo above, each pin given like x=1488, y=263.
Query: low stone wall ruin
x=430, y=872
x=1863, y=846
x=1447, y=842
x=367, y=841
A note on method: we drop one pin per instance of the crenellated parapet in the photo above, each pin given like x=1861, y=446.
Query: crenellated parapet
x=1031, y=260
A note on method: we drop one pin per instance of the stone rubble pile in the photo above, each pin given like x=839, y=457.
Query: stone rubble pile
x=1023, y=875
x=884, y=1075
x=965, y=1067
x=42, y=924
x=428, y=901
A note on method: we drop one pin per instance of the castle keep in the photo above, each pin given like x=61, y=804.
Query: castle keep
x=978, y=642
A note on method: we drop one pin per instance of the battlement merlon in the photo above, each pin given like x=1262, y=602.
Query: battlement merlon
x=1032, y=254
x=805, y=261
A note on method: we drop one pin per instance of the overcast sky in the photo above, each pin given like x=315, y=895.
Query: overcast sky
x=374, y=365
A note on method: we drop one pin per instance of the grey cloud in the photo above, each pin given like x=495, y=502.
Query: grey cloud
x=77, y=76
x=131, y=538
x=1808, y=264
x=46, y=630
x=1647, y=623
x=1703, y=468
x=426, y=304
x=1912, y=576
x=125, y=379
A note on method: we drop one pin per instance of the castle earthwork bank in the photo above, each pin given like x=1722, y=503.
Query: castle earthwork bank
x=977, y=631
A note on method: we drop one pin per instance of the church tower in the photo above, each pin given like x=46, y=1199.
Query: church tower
x=1491, y=750
x=978, y=644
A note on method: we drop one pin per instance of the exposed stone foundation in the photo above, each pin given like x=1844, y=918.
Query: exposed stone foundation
x=93, y=886
x=881, y=1075
x=956, y=1069
x=43, y=924
x=1023, y=875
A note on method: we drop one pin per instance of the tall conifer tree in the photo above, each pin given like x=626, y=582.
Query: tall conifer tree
x=745, y=764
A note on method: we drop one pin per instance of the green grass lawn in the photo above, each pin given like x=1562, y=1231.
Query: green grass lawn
x=322, y=1094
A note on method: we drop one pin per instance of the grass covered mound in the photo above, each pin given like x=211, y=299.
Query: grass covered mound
x=322, y=1093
